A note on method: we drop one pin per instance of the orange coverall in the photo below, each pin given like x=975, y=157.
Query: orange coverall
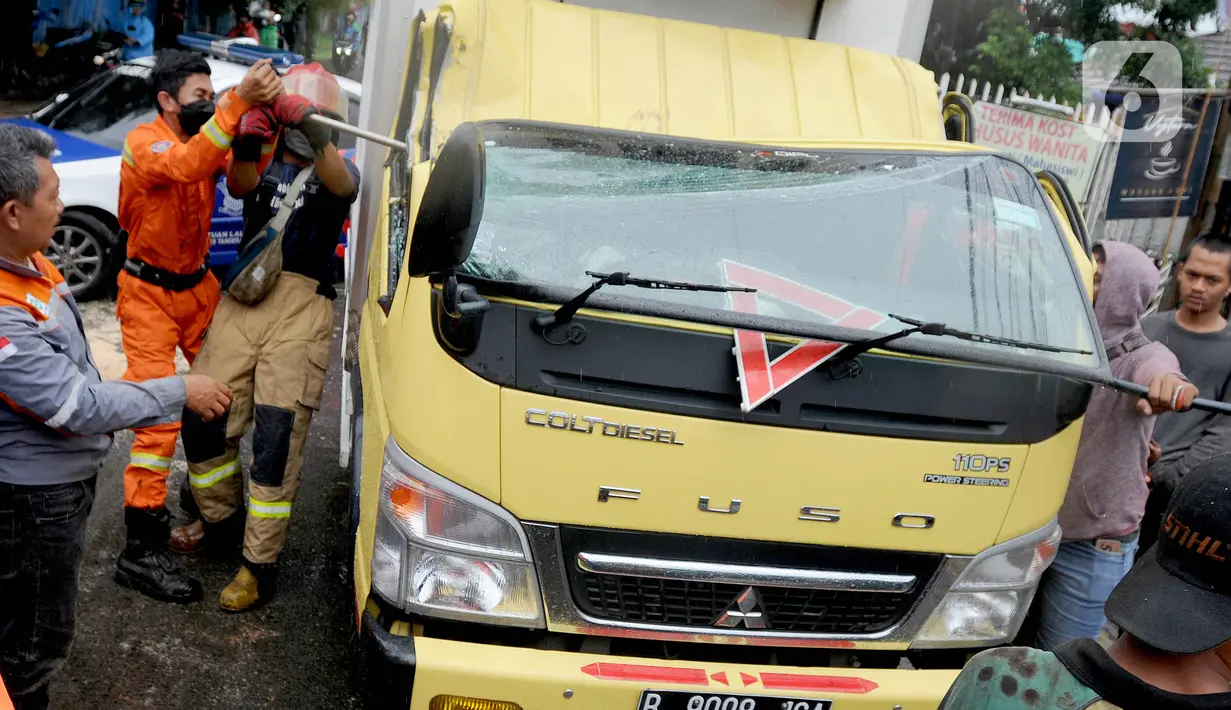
x=6, y=703
x=167, y=192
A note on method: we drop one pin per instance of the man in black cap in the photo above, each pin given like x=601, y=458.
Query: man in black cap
x=1174, y=608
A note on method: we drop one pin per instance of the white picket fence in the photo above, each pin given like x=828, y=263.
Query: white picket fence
x=1011, y=96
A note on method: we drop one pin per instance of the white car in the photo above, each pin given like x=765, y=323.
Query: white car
x=89, y=124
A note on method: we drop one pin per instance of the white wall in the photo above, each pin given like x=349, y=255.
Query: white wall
x=791, y=18
x=889, y=26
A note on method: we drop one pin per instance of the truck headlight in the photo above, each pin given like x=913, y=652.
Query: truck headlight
x=446, y=552
x=990, y=599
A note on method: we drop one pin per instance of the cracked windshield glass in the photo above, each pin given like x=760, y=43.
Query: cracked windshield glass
x=841, y=238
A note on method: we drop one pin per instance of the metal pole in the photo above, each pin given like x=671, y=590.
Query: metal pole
x=1136, y=390
x=1188, y=166
x=358, y=132
x=1192, y=153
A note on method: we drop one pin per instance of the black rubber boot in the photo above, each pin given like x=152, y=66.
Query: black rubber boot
x=147, y=566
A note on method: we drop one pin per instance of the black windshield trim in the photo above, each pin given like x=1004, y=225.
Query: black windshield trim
x=626, y=302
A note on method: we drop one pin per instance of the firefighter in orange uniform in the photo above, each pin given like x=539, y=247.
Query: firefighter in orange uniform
x=167, y=293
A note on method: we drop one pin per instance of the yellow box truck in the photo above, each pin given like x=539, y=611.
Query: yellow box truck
x=701, y=369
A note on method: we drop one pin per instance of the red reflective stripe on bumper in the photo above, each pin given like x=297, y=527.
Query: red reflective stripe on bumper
x=830, y=683
x=651, y=674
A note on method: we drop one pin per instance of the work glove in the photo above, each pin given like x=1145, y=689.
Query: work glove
x=257, y=127
x=291, y=109
x=319, y=136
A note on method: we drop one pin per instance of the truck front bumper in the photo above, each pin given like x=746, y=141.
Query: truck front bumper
x=411, y=672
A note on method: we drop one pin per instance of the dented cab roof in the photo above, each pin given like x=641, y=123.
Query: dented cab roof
x=547, y=61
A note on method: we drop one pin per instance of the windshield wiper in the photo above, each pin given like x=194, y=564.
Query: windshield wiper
x=566, y=311
x=854, y=350
x=980, y=338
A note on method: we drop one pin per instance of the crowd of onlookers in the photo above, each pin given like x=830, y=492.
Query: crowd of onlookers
x=1146, y=519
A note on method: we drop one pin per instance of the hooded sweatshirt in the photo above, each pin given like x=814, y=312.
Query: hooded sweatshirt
x=1107, y=492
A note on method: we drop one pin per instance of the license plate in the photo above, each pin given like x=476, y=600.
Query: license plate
x=683, y=700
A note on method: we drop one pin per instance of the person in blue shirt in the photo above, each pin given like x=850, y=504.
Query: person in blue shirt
x=139, y=32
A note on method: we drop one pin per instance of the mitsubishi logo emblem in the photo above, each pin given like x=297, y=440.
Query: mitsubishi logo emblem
x=745, y=610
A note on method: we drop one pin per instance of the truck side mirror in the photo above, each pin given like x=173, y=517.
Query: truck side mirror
x=452, y=205
x=444, y=234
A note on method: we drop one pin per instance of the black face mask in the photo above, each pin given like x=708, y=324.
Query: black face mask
x=194, y=115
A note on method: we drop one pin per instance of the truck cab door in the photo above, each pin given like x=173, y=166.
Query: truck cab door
x=406, y=172
x=387, y=245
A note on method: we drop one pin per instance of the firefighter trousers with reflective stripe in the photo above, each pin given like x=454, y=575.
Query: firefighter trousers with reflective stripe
x=273, y=357
x=153, y=322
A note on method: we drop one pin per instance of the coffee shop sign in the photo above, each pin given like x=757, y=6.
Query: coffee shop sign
x=1163, y=126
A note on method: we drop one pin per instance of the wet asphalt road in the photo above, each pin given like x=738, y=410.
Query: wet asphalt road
x=297, y=652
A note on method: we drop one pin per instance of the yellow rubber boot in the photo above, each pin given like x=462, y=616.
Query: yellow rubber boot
x=242, y=593
x=252, y=587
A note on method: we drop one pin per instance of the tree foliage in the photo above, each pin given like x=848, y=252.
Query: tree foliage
x=1011, y=56
x=993, y=40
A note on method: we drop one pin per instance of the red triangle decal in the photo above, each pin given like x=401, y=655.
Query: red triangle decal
x=760, y=379
x=720, y=678
x=748, y=679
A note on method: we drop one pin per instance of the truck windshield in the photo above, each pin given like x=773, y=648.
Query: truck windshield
x=826, y=237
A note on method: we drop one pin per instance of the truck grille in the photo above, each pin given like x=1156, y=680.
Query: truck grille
x=680, y=603
x=675, y=603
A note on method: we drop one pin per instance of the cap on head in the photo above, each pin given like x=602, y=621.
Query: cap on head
x=1178, y=597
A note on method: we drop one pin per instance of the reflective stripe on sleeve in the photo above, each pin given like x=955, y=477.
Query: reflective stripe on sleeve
x=152, y=462
x=215, y=135
x=212, y=476
x=69, y=408
x=263, y=509
x=128, y=156
x=7, y=349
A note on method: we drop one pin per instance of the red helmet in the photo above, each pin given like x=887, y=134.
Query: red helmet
x=317, y=85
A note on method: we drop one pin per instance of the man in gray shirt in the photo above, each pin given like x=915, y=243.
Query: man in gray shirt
x=1198, y=335
x=56, y=415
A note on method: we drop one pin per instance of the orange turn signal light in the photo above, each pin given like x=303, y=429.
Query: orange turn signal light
x=456, y=702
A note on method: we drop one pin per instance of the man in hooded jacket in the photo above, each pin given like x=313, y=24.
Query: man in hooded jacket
x=1106, y=498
